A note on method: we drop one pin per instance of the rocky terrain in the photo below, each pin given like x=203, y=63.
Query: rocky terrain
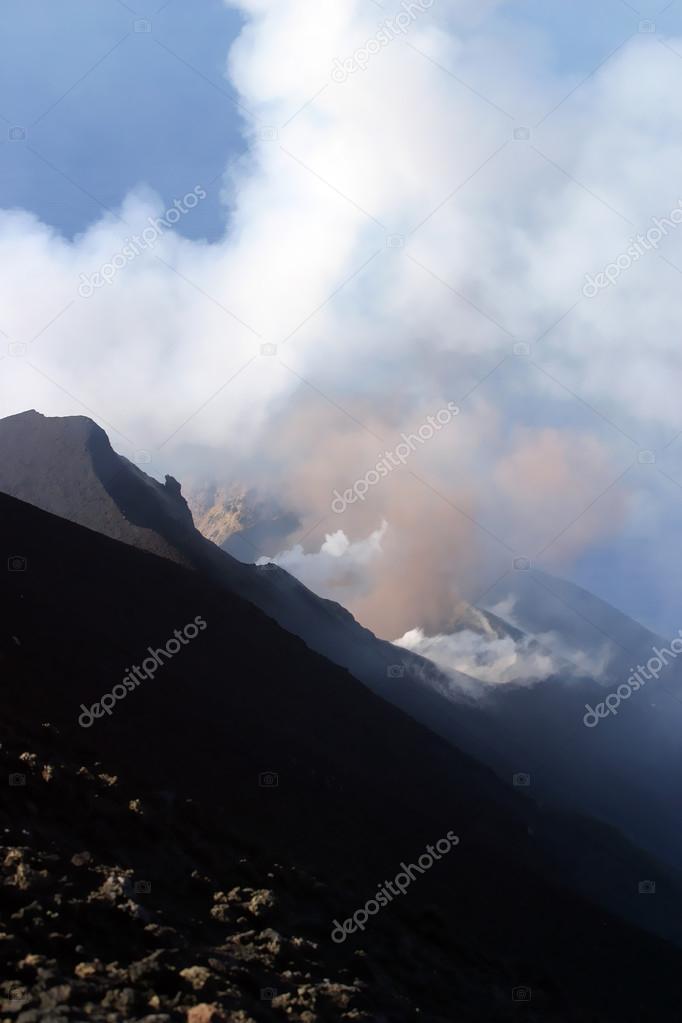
x=86, y=935
x=219, y=512
x=222, y=932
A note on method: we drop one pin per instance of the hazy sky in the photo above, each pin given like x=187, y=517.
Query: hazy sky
x=397, y=236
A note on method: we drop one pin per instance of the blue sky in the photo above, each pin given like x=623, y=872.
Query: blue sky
x=107, y=108
x=581, y=33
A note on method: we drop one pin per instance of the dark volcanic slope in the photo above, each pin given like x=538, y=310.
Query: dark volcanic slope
x=361, y=788
x=67, y=466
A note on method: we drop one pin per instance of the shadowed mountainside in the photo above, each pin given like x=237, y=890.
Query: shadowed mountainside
x=361, y=789
x=68, y=467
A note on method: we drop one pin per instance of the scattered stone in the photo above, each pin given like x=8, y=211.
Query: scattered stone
x=166, y=937
x=124, y=1001
x=110, y=780
x=55, y=996
x=26, y=878
x=270, y=941
x=32, y=1016
x=205, y=1013
x=31, y=962
x=260, y=902
x=221, y=912
x=13, y=856
x=197, y=976
x=116, y=886
x=82, y=909
x=87, y=970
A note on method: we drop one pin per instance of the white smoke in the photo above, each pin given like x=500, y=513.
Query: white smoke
x=497, y=660
x=492, y=660
x=340, y=570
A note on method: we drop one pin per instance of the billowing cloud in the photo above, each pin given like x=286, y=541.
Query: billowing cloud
x=339, y=569
x=493, y=660
x=399, y=239
x=496, y=656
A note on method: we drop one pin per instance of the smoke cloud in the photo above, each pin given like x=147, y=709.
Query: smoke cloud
x=398, y=240
x=488, y=657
